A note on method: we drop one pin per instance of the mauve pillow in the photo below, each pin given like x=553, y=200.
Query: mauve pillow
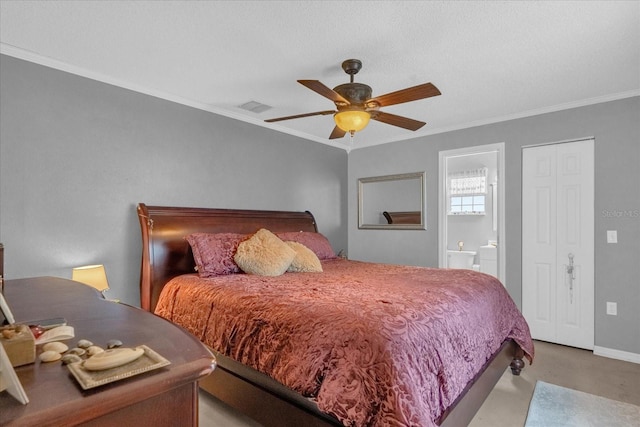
x=264, y=254
x=315, y=241
x=213, y=253
x=305, y=260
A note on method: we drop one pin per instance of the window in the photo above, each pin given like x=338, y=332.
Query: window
x=467, y=192
x=467, y=205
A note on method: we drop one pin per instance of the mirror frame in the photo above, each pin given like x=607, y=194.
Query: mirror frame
x=397, y=177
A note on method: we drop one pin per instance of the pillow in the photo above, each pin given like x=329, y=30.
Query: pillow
x=213, y=253
x=264, y=254
x=305, y=260
x=315, y=241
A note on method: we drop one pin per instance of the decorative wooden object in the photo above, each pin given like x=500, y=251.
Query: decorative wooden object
x=19, y=344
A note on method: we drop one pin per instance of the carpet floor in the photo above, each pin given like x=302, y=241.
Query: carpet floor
x=556, y=406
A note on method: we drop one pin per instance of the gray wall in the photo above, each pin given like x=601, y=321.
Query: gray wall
x=76, y=156
x=616, y=128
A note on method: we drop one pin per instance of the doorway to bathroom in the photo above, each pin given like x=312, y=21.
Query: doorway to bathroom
x=471, y=226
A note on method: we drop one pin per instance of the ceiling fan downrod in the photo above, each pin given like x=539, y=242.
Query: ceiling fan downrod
x=351, y=67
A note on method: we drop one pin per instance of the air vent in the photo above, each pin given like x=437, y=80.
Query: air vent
x=255, y=107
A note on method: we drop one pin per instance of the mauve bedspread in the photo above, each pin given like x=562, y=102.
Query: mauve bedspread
x=374, y=344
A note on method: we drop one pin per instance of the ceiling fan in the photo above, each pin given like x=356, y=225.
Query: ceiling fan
x=355, y=106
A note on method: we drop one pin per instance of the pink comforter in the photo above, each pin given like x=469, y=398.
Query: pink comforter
x=374, y=344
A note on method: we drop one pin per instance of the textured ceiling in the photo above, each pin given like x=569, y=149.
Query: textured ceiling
x=492, y=61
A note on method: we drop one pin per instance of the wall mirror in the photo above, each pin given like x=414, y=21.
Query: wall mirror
x=392, y=202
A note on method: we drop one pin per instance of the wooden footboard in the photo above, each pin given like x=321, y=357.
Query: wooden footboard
x=462, y=411
x=273, y=405
x=262, y=398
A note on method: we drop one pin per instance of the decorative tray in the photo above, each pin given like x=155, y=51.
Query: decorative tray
x=149, y=361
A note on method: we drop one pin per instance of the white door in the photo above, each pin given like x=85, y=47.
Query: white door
x=557, y=242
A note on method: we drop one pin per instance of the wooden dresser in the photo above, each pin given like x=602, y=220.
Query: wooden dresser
x=164, y=397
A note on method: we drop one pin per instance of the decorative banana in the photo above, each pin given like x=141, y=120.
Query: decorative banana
x=112, y=358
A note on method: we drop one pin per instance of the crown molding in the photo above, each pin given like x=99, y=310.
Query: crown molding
x=524, y=114
x=7, y=49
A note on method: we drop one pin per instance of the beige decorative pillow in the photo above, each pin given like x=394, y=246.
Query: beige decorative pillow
x=264, y=254
x=305, y=260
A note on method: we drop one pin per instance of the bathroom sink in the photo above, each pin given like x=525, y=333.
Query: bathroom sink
x=488, y=252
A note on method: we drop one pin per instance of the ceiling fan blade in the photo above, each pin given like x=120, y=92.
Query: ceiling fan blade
x=337, y=133
x=409, y=94
x=298, y=116
x=392, y=119
x=323, y=90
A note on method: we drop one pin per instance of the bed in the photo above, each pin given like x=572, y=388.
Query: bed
x=168, y=273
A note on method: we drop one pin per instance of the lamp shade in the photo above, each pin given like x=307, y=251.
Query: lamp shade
x=92, y=275
x=352, y=120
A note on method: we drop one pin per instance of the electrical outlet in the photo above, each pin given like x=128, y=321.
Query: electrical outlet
x=612, y=236
x=612, y=308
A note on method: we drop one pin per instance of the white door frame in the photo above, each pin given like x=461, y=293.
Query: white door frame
x=442, y=201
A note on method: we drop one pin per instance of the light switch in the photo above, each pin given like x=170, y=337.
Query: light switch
x=612, y=236
x=612, y=308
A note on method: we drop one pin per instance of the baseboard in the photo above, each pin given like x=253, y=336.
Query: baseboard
x=616, y=354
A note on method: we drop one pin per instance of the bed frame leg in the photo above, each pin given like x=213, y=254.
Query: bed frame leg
x=517, y=364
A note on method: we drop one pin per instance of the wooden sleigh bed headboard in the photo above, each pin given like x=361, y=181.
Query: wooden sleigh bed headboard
x=166, y=254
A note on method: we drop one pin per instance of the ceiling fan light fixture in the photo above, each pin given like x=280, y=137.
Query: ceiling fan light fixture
x=356, y=106
x=352, y=120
